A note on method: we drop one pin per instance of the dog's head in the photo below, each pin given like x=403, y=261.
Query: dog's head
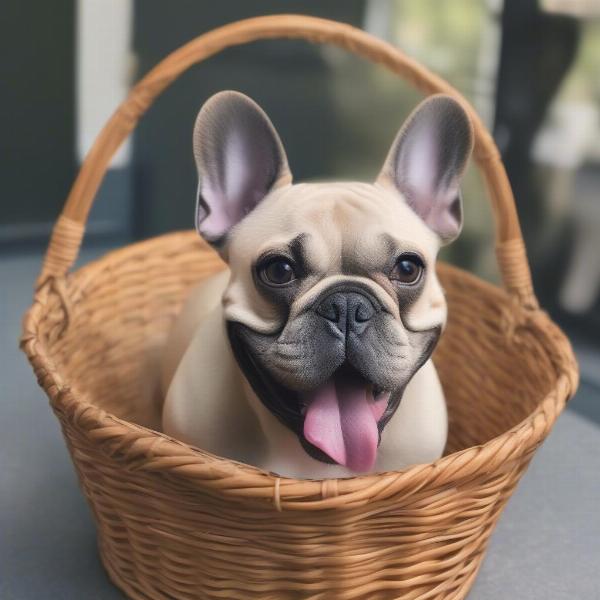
x=333, y=302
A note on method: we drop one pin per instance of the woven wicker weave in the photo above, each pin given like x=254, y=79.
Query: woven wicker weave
x=176, y=522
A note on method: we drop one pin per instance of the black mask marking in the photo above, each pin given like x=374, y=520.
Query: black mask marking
x=310, y=349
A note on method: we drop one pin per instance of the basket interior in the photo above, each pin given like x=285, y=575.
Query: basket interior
x=494, y=372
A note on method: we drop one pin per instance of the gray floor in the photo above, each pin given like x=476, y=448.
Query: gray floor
x=547, y=545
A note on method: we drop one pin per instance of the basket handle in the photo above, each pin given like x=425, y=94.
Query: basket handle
x=68, y=231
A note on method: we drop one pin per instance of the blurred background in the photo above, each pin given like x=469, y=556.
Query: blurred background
x=531, y=68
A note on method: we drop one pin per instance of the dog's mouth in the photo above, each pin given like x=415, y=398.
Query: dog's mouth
x=342, y=417
x=340, y=421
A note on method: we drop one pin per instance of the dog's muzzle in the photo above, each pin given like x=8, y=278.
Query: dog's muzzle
x=336, y=372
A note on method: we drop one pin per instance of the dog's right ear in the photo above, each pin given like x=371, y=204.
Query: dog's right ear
x=239, y=158
x=427, y=160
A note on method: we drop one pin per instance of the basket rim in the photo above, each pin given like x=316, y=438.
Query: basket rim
x=139, y=448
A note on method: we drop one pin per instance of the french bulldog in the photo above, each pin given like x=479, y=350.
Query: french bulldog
x=310, y=355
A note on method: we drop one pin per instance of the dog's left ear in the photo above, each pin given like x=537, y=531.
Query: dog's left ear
x=427, y=160
x=239, y=158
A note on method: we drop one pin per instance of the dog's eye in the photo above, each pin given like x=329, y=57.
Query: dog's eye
x=408, y=269
x=277, y=271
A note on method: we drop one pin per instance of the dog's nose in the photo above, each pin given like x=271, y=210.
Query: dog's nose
x=349, y=311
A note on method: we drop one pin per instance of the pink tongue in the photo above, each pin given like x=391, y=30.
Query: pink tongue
x=341, y=422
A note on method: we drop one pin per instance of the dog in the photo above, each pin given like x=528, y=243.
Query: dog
x=310, y=355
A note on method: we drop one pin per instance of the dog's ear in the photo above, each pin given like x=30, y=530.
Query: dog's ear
x=427, y=160
x=239, y=158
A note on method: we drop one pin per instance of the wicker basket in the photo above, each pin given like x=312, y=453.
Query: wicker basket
x=176, y=522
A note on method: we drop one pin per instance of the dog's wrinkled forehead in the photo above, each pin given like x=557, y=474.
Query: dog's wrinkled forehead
x=346, y=230
x=341, y=227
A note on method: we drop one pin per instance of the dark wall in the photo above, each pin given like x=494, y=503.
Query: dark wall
x=37, y=122
x=284, y=77
x=156, y=193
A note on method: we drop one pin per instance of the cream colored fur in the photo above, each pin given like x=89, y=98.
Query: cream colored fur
x=208, y=402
